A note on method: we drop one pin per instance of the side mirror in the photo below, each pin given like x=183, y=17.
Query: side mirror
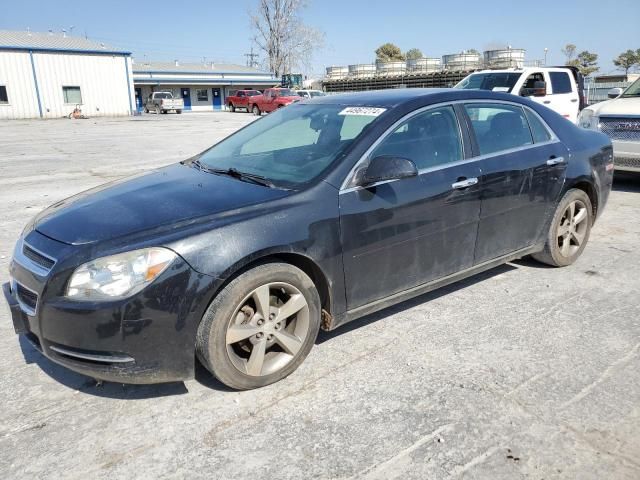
x=615, y=92
x=387, y=167
x=539, y=89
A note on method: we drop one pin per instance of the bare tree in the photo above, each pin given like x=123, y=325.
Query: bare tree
x=281, y=35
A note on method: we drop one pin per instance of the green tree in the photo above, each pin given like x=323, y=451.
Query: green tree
x=389, y=52
x=473, y=51
x=627, y=60
x=413, y=54
x=569, y=51
x=586, y=61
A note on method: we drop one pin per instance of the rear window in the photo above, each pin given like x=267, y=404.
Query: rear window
x=560, y=82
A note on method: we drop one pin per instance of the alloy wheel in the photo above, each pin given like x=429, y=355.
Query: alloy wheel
x=268, y=329
x=573, y=228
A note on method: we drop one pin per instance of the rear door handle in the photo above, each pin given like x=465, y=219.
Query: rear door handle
x=547, y=102
x=466, y=183
x=574, y=100
x=555, y=161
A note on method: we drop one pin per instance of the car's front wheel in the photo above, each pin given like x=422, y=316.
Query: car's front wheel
x=260, y=327
x=232, y=108
x=569, y=232
x=256, y=110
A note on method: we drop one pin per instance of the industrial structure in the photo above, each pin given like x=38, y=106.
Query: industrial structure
x=420, y=72
x=49, y=75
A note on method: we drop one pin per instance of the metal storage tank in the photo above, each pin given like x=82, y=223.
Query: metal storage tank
x=337, y=72
x=391, y=68
x=504, y=58
x=362, y=70
x=461, y=61
x=424, y=65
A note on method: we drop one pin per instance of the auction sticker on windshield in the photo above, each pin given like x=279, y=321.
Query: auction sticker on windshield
x=366, y=111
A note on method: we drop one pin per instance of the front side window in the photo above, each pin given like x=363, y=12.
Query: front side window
x=560, y=82
x=4, y=98
x=499, y=127
x=284, y=92
x=72, y=95
x=497, y=82
x=202, y=94
x=529, y=86
x=290, y=146
x=429, y=139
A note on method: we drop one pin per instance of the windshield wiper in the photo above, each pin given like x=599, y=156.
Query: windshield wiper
x=232, y=172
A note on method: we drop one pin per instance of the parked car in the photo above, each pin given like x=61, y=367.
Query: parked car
x=272, y=99
x=620, y=120
x=559, y=88
x=318, y=214
x=241, y=99
x=163, y=102
x=310, y=93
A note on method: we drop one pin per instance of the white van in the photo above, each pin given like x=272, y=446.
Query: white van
x=559, y=88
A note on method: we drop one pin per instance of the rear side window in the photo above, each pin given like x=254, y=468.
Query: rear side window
x=538, y=130
x=499, y=127
x=560, y=82
x=4, y=98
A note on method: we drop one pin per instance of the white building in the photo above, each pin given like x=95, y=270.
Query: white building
x=47, y=75
x=202, y=86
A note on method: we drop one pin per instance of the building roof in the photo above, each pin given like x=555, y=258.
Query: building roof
x=53, y=42
x=195, y=68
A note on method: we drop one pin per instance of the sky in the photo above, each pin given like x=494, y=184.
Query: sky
x=220, y=31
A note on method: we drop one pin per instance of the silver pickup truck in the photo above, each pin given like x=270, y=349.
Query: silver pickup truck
x=618, y=118
x=162, y=102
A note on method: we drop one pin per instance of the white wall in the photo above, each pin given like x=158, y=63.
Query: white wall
x=17, y=76
x=102, y=80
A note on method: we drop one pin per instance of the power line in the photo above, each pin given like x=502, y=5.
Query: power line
x=251, y=59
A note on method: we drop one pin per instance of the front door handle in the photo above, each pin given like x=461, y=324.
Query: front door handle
x=464, y=183
x=555, y=161
x=547, y=102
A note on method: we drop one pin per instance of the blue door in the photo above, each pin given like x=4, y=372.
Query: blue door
x=139, y=99
x=217, y=99
x=186, y=98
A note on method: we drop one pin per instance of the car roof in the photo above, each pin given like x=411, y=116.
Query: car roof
x=399, y=96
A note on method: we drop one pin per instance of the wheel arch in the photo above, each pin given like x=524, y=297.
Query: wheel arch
x=587, y=185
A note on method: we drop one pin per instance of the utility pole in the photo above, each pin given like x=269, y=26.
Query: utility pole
x=251, y=62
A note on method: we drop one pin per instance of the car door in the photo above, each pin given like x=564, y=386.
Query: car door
x=563, y=94
x=400, y=234
x=520, y=179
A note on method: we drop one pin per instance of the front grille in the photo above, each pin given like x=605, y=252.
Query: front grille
x=38, y=258
x=627, y=162
x=27, y=298
x=621, y=128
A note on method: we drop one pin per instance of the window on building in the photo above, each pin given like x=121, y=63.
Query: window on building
x=72, y=95
x=203, y=95
x=499, y=127
x=560, y=82
x=3, y=94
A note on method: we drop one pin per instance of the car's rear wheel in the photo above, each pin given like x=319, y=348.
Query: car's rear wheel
x=569, y=231
x=178, y=112
x=260, y=327
x=158, y=111
x=146, y=110
x=256, y=110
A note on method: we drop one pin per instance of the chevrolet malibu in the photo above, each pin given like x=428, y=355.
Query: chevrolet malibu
x=311, y=217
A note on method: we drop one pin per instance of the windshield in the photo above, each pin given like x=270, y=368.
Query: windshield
x=317, y=94
x=496, y=81
x=633, y=90
x=253, y=93
x=163, y=95
x=290, y=146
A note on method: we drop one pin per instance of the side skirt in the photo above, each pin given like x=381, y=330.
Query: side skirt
x=399, y=297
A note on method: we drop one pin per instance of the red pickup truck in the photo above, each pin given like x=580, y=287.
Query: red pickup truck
x=241, y=99
x=271, y=99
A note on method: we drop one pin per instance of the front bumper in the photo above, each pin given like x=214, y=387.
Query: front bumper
x=626, y=155
x=147, y=338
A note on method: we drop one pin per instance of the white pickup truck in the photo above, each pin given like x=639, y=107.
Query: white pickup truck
x=162, y=102
x=559, y=88
x=620, y=120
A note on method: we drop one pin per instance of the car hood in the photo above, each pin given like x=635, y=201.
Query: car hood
x=160, y=198
x=618, y=106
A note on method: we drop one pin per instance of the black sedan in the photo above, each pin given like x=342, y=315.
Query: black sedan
x=315, y=215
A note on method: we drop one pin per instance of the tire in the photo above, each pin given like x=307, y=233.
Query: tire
x=158, y=111
x=232, y=109
x=233, y=334
x=569, y=231
x=178, y=112
x=256, y=110
x=146, y=110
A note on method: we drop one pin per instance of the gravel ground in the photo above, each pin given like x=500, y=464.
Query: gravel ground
x=521, y=372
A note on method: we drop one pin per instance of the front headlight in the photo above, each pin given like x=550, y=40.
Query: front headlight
x=587, y=119
x=118, y=276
